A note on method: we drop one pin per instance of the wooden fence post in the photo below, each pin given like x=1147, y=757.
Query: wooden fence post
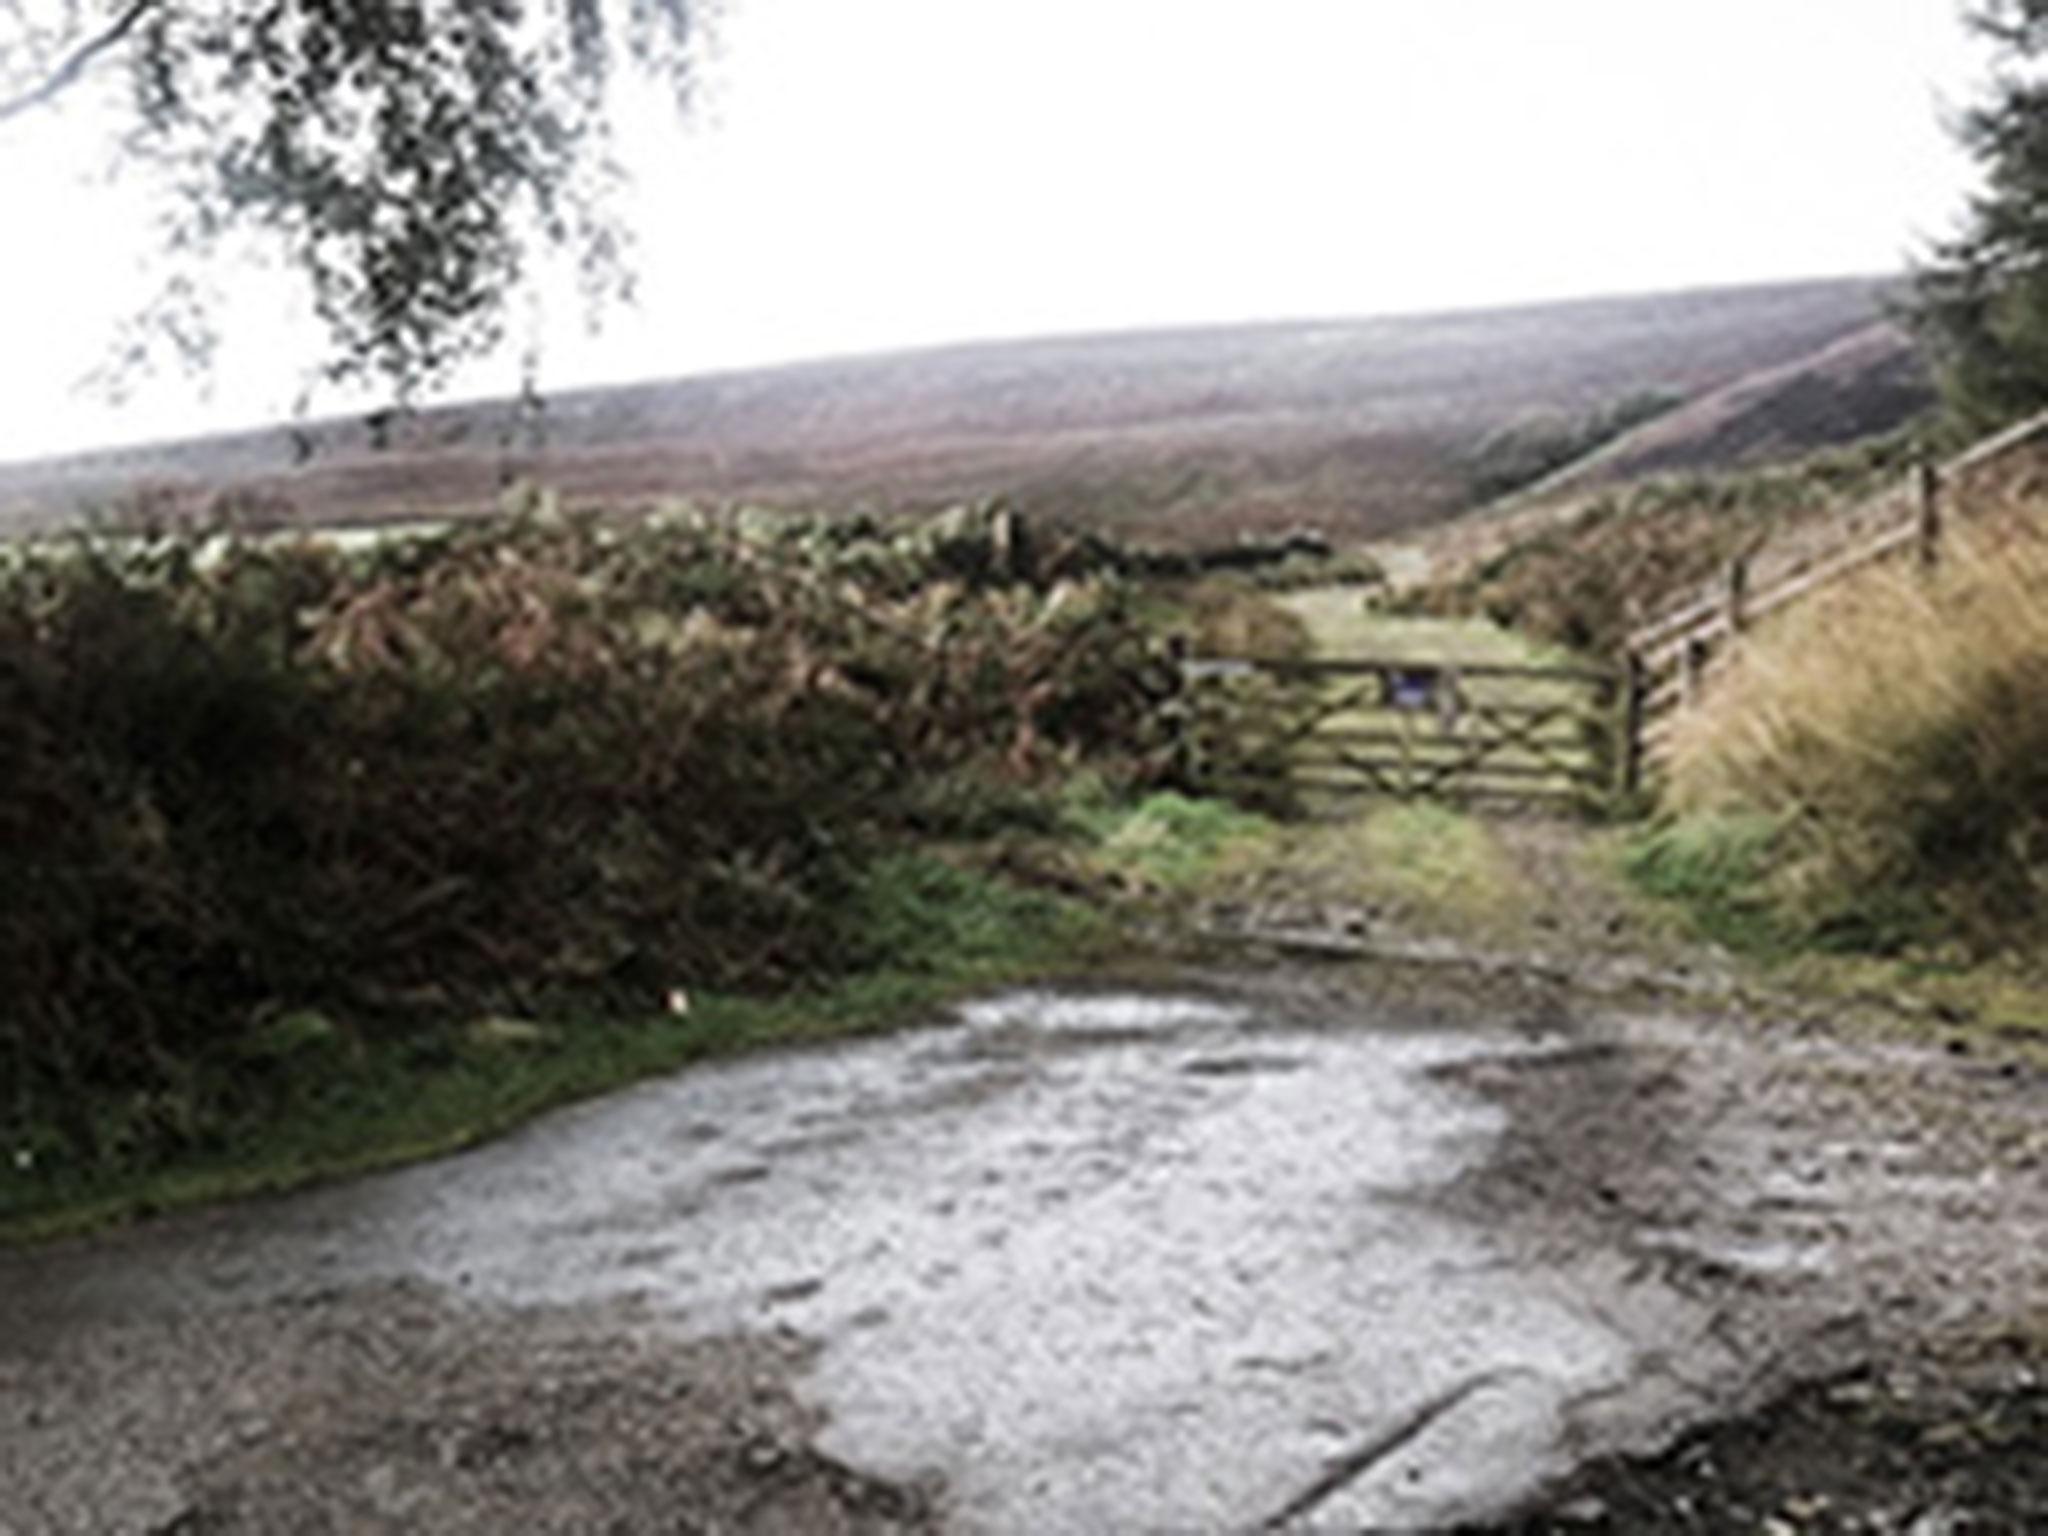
x=1692, y=665
x=1738, y=594
x=1635, y=688
x=1178, y=707
x=1928, y=479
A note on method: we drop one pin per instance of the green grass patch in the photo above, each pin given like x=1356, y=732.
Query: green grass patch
x=1423, y=867
x=338, y=1107
x=1341, y=621
x=1716, y=869
x=1168, y=840
x=1434, y=863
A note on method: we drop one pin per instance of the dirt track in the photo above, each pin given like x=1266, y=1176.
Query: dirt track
x=1264, y=1247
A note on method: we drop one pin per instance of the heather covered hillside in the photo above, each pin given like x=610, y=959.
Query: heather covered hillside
x=1860, y=385
x=1362, y=427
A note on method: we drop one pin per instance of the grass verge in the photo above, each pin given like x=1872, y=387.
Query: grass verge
x=1719, y=876
x=935, y=933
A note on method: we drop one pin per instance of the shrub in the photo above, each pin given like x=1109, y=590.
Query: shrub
x=1226, y=616
x=1586, y=582
x=248, y=785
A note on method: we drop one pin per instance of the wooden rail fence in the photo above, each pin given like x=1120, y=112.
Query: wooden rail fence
x=1670, y=660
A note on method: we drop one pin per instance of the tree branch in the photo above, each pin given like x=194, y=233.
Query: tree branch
x=66, y=74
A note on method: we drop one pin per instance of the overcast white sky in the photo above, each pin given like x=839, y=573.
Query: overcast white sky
x=874, y=173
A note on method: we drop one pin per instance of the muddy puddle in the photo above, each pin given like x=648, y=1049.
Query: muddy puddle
x=1201, y=1261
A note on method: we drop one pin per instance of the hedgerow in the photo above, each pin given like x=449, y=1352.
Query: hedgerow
x=264, y=798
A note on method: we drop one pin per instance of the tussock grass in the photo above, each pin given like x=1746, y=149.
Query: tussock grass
x=1895, y=733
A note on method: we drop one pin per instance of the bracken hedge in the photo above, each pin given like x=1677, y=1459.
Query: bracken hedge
x=252, y=790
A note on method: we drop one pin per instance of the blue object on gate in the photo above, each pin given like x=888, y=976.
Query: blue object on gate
x=1411, y=687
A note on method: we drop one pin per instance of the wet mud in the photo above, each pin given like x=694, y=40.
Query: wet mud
x=1293, y=1249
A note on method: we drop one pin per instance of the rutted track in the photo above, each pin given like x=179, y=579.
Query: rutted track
x=1344, y=1247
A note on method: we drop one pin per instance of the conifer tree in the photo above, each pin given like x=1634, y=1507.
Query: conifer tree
x=1980, y=299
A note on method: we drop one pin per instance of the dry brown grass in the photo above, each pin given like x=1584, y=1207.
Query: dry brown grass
x=1897, y=727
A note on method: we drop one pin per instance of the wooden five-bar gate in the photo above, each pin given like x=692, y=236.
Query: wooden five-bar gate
x=1408, y=728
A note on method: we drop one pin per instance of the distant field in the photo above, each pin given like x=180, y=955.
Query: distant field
x=1363, y=428
x=1341, y=625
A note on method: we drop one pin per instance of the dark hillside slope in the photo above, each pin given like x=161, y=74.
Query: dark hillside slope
x=1359, y=426
x=1862, y=384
